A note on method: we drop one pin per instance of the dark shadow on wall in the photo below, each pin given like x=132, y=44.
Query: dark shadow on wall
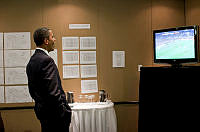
x=1, y=124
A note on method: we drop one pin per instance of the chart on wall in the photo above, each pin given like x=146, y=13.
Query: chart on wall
x=17, y=94
x=1, y=76
x=1, y=94
x=1, y=50
x=15, y=51
x=1, y=41
x=118, y=58
x=1, y=67
x=79, y=61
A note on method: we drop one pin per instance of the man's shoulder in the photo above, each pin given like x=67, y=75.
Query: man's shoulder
x=40, y=55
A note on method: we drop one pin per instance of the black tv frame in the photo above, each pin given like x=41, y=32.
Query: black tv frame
x=178, y=62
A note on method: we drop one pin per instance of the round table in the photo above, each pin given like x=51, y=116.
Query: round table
x=93, y=117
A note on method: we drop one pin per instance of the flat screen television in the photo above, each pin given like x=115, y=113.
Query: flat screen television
x=176, y=45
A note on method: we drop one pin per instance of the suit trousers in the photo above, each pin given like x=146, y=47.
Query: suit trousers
x=54, y=126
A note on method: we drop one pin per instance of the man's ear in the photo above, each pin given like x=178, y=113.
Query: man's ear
x=46, y=41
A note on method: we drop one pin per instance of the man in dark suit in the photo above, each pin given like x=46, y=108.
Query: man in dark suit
x=51, y=107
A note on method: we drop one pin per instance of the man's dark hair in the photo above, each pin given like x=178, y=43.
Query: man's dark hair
x=40, y=34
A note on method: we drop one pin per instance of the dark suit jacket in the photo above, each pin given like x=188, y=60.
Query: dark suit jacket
x=46, y=89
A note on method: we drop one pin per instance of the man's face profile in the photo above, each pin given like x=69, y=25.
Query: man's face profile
x=51, y=42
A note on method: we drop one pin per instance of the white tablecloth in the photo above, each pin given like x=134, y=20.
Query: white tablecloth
x=93, y=117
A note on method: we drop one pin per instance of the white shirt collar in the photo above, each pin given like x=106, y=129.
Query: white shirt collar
x=43, y=50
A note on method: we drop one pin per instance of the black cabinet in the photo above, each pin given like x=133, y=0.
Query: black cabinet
x=169, y=99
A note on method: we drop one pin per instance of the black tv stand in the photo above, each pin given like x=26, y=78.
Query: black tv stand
x=176, y=65
x=169, y=99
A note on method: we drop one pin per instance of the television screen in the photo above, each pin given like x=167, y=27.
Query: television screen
x=176, y=45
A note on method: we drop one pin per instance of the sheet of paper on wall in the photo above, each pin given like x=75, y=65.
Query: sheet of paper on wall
x=1, y=94
x=32, y=52
x=70, y=43
x=70, y=57
x=1, y=41
x=79, y=26
x=89, y=86
x=15, y=76
x=1, y=58
x=87, y=57
x=17, y=40
x=71, y=71
x=54, y=56
x=17, y=94
x=87, y=43
x=88, y=71
x=118, y=58
x=1, y=76
x=16, y=58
